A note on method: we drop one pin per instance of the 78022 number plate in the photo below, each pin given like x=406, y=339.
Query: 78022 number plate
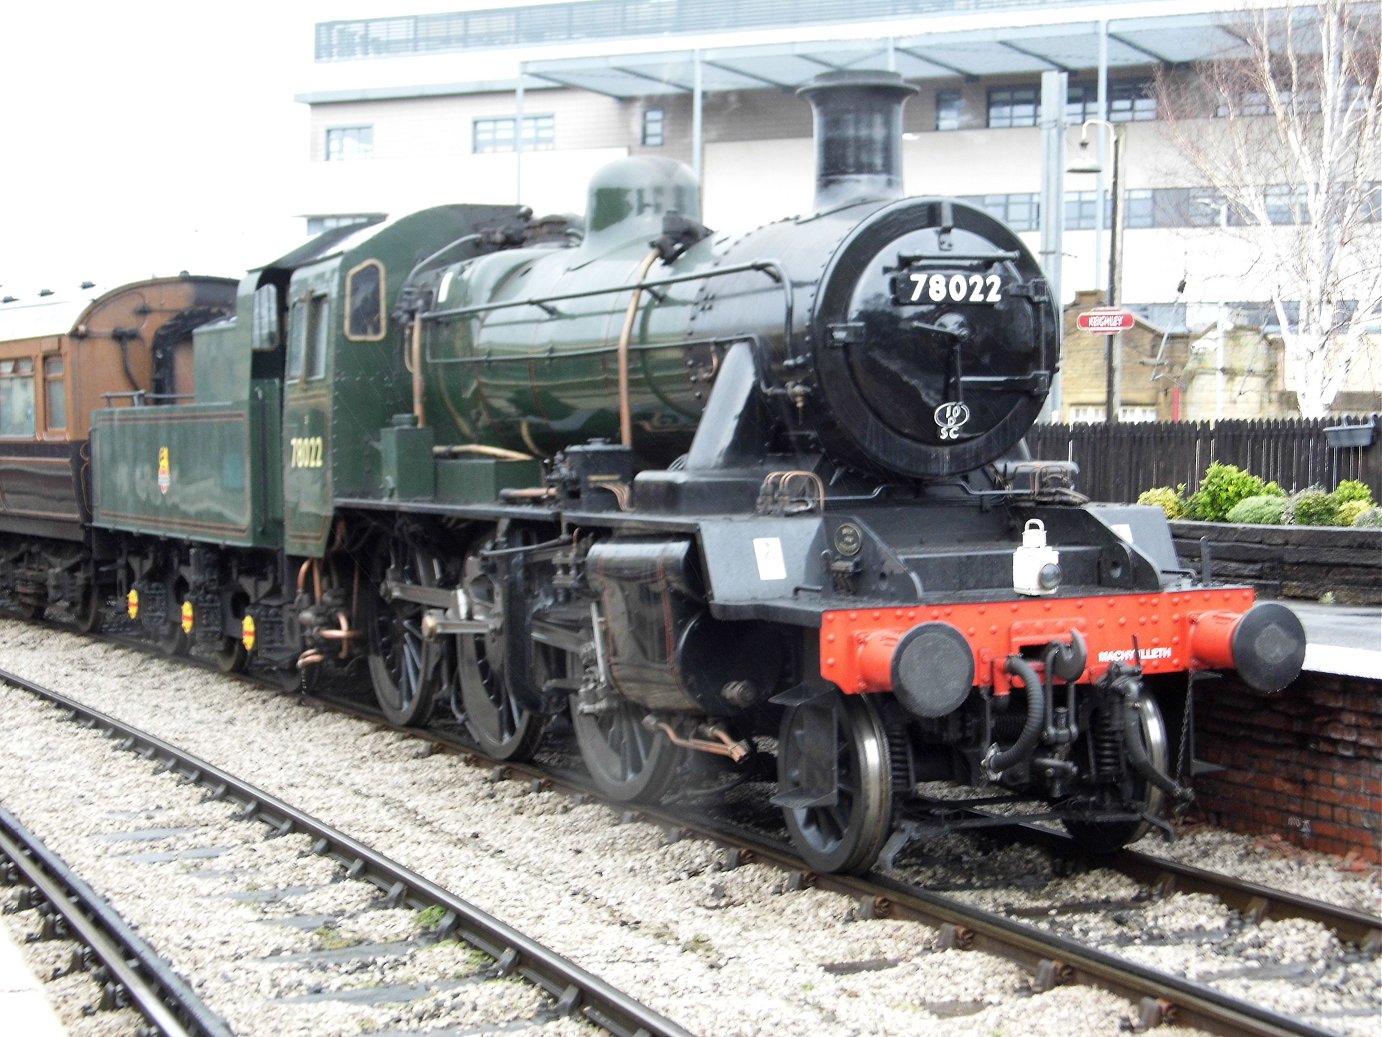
x=931, y=288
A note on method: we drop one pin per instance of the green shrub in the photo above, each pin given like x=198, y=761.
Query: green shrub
x=1273, y=489
x=1264, y=509
x=1313, y=507
x=1351, y=490
x=1223, y=486
x=1347, y=513
x=1165, y=498
x=1370, y=519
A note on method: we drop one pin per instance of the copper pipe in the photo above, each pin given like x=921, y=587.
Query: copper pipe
x=345, y=635
x=497, y=452
x=311, y=657
x=726, y=746
x=315, y=566
x=625, y=337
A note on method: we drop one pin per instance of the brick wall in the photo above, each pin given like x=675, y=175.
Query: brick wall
x=1304, y=763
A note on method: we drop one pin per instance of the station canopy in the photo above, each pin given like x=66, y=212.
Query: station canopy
x=966, y=53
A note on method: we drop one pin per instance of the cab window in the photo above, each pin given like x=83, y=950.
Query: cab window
x=17, y=397
x=317, y=337
x=265, y=331
x=308, y=337
x=297, y=338
x=365, y=302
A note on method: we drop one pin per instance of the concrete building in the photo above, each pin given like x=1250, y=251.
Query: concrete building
x=408, y=111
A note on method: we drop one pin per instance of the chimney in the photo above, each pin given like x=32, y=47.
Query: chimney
x=858, y=126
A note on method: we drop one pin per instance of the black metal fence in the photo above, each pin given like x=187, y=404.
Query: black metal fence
x=1117, y=462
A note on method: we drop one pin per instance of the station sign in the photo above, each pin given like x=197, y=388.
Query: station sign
x=1105, y=320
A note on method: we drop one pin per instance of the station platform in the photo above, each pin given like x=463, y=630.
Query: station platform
x=22, y=998
x=1341, y=639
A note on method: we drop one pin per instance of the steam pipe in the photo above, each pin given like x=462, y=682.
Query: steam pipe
x=625, y=337
x=997, y=761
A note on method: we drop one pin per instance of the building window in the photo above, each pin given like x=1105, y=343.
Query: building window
x=1286, y=204
x=1086, y=415
x=1130, y=102
x=1080, y=207
x=949, y=107
x=1131, y=414
x=17, y=397
x=348, y=143
x=654, y=124
x=1081, y=102
x=1018, y=211
x=1013, y=106
x=1139, y=212
x=1127, y=102
x=495, y=135
x=54, y=392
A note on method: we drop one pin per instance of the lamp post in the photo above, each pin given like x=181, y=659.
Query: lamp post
x=1112, y=351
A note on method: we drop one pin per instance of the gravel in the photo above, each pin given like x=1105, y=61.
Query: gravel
x=730, y=953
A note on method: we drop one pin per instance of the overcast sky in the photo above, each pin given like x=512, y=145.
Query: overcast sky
x=142, y=138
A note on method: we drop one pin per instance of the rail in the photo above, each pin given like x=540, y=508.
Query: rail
x=576, y=990
x=150, y=984
x=1052, y=959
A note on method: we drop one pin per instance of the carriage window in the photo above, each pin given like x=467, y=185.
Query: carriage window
x=317, y=335
x=265, y=333
x=17, y=397
x=365, y=302
x=55, y=395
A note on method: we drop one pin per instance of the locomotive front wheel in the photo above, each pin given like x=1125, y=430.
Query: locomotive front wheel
x=846, y=835
x=626, y=761
x=404, y=667
x=499, y=723
x=1110, y=836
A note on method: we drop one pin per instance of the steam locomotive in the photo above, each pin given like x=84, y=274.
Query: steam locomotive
x=758, y=497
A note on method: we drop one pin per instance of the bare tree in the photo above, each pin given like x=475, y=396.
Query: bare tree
x=1296, y=153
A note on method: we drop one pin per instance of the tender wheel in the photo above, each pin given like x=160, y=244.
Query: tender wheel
x=31, y=610
x=405, y=668
x=231, y=657
x=846, y=835
x=170, y=638
x=1110, y=836
x=626, y=761
x=91, y=610
x=501, y=726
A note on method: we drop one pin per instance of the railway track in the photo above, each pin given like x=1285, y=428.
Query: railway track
x=1161, y=877
x=573, y=990
x=1052, y=959
x=1049, y=959
x=130, y=971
